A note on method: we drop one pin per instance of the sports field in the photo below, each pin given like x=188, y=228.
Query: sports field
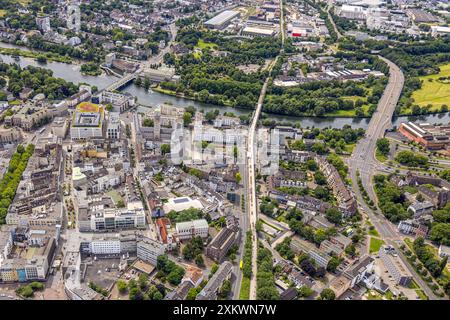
x=435, y=92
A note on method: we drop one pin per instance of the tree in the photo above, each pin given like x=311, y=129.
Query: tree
x=238, y=177
x=146, y=83
x=411, y=159
x=214, y=268
x=199, y=260
x=175, y=276
x=165, y=149
x=192, y=294
x=157, y=296
x=305, y=292
x=135, y=294
x=143, y=281
x=187, y=119
x=225, y=289
x=333, y=264
x=327, y=294
x=122, y=286
x=147, y=122
x=26, y=291
x=109, y=107
x=383, y=146
x=320, y=179
x=333, y=215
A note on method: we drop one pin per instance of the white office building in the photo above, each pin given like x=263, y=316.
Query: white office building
x=148, y=250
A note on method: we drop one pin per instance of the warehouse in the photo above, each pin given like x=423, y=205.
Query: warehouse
x=258, y=32
x=222, y=20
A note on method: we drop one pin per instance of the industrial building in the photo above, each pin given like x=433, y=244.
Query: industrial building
x=258, y=32
x=430, y=136
x=222, y=20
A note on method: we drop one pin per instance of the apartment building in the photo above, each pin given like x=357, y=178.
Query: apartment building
x=320, y=257
x=209, y=292
x=413, y=227
x=10, y=135
x=347, y=202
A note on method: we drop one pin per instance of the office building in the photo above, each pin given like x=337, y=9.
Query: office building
x=87, y=122
x=148, y=250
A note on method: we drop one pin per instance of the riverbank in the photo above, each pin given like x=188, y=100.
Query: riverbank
x=345, y=114
x=48, y=56
x=182, y=96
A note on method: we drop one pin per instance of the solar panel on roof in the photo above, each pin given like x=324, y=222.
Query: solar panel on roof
x=181, y=200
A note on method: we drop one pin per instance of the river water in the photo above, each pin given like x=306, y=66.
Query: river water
x=71, y=72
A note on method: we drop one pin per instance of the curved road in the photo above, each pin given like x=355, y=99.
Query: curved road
x=364, y=161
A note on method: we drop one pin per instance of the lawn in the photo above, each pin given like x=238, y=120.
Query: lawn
x=23, y=2
x=374, y=233
x=2, y=13
x=202, y=44
x=375, y=244
x=380, y=157
x=410, y=189
x=244, y=294
x=413, y=285
x=346, y=113
x=421, y=295
x=270, y=225
x=15, y=103
x=435, y=92
x=349, y=147
x=115, y=196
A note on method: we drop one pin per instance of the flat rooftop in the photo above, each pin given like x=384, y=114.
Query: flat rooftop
x=222, y=17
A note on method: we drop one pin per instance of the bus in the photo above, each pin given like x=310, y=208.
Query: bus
x=241, y=264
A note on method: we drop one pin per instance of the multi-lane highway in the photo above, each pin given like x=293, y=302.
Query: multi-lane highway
x=364, y=161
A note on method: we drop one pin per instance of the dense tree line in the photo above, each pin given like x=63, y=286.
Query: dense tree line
x=440, y=228
x=91, y=54
x=39, y=79
x=411, y=159
x=265, y=279
x=426, y=255
x=247, y=258
x=12, y=177
x=391, y=200
x=320, y=97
